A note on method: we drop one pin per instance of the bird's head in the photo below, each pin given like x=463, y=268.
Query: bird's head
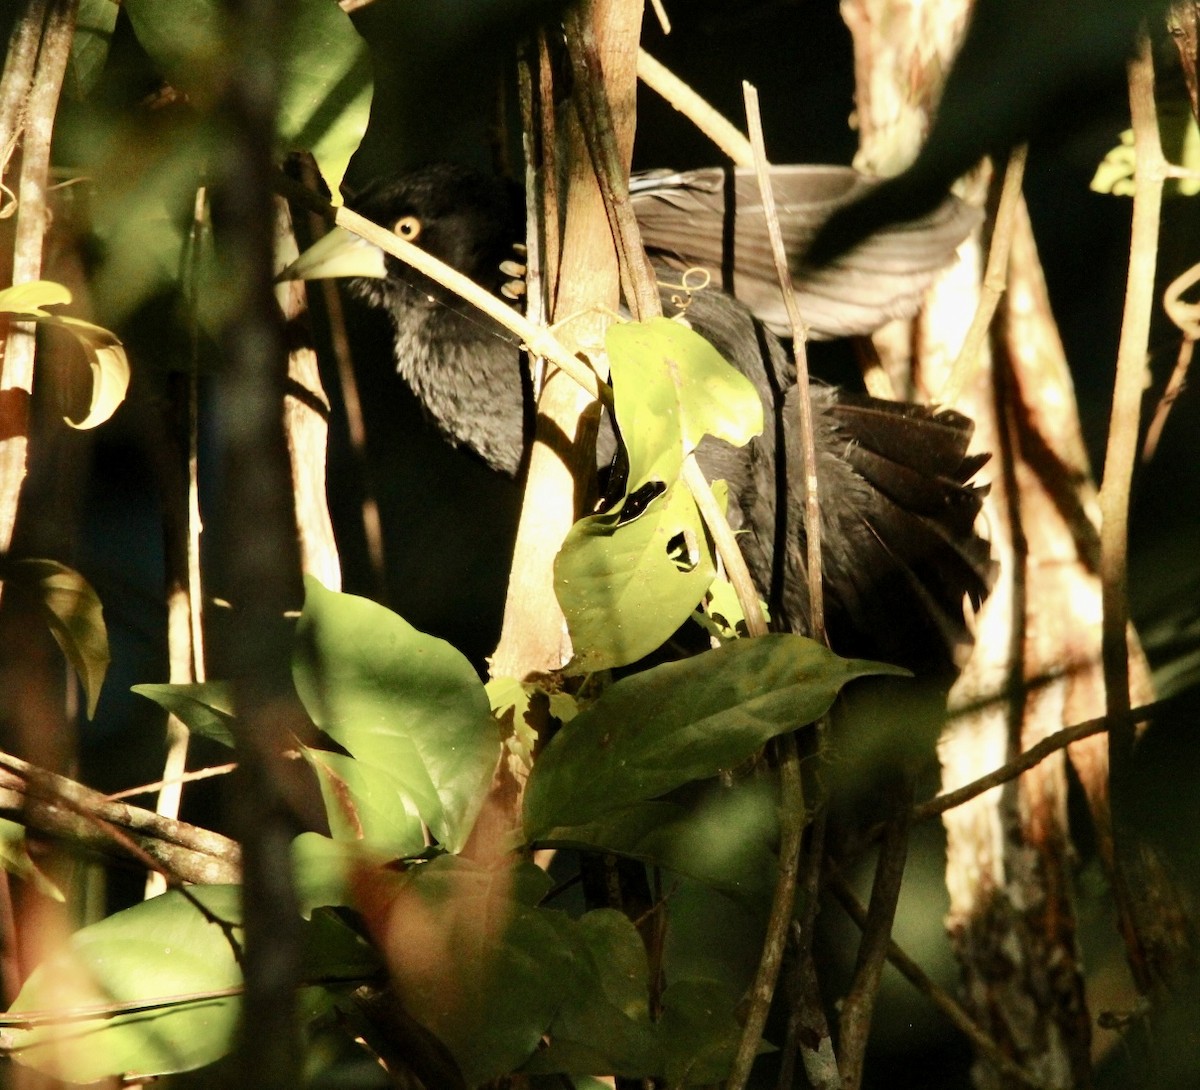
x=465, y=218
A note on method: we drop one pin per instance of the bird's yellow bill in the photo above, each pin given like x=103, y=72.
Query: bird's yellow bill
x=339, y=253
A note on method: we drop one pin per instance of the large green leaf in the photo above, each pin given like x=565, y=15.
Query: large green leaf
x=367, y=803
x=152, y=955
x=680, y=722
x=325, y=70
x=625, y=587
x=406, y=704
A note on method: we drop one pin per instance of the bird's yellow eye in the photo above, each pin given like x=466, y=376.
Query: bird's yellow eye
x=408, y=228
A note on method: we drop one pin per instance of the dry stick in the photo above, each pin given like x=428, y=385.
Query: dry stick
x=660, y=13
x=69, y=811
x=1119, y=458
x=187, y=777
x=915, y=975
x=1187, y=317
x=714, y=125
x=792, y=811
x=184, y=632
x=995, y=277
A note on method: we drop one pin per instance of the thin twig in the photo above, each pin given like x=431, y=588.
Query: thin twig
x=812, y=507
x=791, y=803
x=1186, y=317
x=1030, y=758
x=995, y=277
x=1119, y=458
x=719, y=129
x=916, y=976
x=854, y=1021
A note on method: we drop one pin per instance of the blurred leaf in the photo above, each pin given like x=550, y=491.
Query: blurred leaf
x=1181, y=146
x=153, y=957
x=89, y=47
x=15, y=858
x=699, y=1031
x=472, y=959
x=407, y=704
x=205, y=708
x=324, y=869
x=76, y=619
x=325, y=98
x=724, y=839
x=152, y=954
x=682, y=721
x=625, y=587
x=325, y=78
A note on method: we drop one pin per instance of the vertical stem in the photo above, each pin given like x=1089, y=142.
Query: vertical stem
x=1118, y=473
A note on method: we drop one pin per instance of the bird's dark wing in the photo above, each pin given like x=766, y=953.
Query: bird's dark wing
x=900, y=551
x=696, y=219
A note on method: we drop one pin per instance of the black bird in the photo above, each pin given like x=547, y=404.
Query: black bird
x=898, y=506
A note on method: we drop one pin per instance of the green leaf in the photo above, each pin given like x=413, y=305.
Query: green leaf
x=76, y=619
x=325, y=78
x=407, y=704
x=152, y=955
x=680, y=722
x=475, y=962
x=204, y=708
x=626, y=587
x=15, y=858
x=699, y=1031
x=366, y=803
x=724, y=839
x=325, y=98
x=89, y=47
x=603, y=1024
x=671, y=388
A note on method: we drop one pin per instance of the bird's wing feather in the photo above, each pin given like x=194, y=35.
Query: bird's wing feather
x=693, y=219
